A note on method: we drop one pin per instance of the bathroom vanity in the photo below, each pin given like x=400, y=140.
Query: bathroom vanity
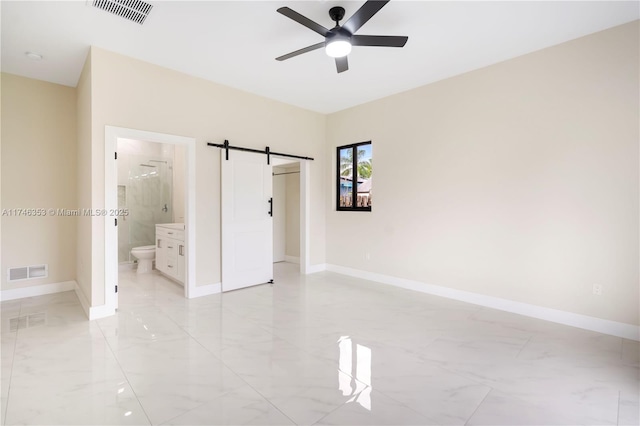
x=170, y=250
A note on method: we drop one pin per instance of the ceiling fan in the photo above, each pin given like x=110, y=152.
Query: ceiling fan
x=339, y=40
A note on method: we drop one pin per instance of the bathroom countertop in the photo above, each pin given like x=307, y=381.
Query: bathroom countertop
x=171, y=225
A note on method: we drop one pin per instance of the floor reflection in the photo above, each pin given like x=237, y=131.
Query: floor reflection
x=355, y=363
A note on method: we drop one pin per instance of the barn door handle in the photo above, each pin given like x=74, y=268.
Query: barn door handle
x=271, y=207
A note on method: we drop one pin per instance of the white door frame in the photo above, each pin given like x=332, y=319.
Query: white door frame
x=305, y=222
x=111, y=136
x=305, y=193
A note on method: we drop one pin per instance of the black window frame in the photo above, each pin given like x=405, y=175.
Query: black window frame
x=354, y=188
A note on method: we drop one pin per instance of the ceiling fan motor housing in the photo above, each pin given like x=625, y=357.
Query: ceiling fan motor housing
x=337, y=33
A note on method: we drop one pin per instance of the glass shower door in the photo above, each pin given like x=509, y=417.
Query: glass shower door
x=148, y=199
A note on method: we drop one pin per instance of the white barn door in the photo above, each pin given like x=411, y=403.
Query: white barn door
x=247, y=224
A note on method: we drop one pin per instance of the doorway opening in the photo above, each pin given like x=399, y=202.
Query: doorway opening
x=150, y=182
x=150, y=194
x=286, y=213
x=297, y=187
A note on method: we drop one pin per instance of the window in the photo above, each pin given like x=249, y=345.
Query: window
x=354, y=170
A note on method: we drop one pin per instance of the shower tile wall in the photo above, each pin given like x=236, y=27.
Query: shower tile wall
x=145, y=184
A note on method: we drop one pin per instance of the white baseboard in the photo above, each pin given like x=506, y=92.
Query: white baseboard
x=205, y=290
x=292, y=259
x=92, y=312
x=167, y=276
x=312, y=269
x=619, y=329
x=36, y=290
x=86, y=306
x=101, y=311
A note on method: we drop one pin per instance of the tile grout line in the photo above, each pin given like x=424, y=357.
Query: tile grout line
x=524, y=346
x=313, y=354
x=469, y=316
x=13, y=359
x=259, y=325
x=189, y=410
x=226, y=366
x=123, y=372
x=621, y=348
x=214, y=355
x=473, y=379
x=247, y=383
x=190, y=336
x=333, y=411
x=402, y=404
x=478, y=407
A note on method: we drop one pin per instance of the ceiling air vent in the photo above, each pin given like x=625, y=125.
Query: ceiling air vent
x=133, y=10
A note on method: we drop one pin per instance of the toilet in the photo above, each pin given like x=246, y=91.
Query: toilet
x=145, y=256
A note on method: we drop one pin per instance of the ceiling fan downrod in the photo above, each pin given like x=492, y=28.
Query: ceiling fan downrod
x=336, y=14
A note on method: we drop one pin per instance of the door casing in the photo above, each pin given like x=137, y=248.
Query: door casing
x=112, y=134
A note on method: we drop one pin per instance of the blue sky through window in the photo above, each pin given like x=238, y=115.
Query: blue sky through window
x=367, y=152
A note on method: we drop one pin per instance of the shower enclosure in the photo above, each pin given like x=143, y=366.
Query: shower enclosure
x=147, y=195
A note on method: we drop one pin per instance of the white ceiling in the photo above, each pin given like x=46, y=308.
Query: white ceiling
x=236, y=42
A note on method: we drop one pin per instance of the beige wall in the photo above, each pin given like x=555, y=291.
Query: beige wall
x=38, y=171
x=134, y=94
x=519, y=180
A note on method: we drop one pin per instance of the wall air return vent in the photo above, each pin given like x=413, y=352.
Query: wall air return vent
x=17, y=274
x=28, y=272
x=38, y=271
x=133, y=10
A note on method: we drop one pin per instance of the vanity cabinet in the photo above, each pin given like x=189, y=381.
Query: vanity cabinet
x=170, y=251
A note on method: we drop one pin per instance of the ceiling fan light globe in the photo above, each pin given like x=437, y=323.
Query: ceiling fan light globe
x=338, y=48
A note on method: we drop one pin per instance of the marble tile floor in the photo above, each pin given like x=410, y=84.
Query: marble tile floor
x=321, y=349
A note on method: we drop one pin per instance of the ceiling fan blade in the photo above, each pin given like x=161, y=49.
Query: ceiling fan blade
x=290, y=13
x=342, y=64
x=301, y=51
x=384, y=41
x=362, y=15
